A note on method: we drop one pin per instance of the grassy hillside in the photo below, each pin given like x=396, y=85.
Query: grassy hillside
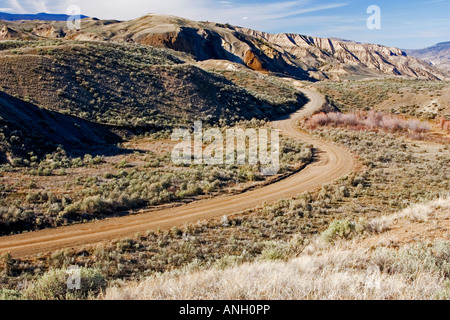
x=360, y=269
x=26, y=129
x=126, y=85
x=424, y=99
x=295, y=55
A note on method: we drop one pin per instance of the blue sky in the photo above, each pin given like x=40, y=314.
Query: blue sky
x=405, y=24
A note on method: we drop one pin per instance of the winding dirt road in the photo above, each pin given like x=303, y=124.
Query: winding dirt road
x=333, y=163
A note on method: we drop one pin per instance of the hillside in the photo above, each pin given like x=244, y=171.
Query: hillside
x=423, y=99
x=360, y=269
x=438, y=55
x=25, y=128
x=290, y=54
x=126, y=85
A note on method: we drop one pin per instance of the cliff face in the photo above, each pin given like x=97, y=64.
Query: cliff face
x=290, y=54
x=335, y=59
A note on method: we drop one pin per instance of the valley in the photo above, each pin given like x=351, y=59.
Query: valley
x=87, y=178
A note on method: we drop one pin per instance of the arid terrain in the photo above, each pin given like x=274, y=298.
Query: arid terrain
x=333, y=163
x=358, y=210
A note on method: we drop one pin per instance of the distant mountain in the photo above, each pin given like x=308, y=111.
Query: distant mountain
x=294, y=55
x=438, y=55
x=38, y=16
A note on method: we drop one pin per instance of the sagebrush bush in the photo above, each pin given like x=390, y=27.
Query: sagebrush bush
x=340, y=229
x=53, y=286
x=9, y=295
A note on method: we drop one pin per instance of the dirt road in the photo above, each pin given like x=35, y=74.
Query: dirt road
x=333, y=162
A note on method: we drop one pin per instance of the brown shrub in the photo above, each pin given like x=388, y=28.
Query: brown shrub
x=371, y=120
x=445, y=124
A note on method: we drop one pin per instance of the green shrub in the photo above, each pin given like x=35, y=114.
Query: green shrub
x=414, y=260
x=341, y=229
x=6, y=294
x=123, y=164
x=53, y=286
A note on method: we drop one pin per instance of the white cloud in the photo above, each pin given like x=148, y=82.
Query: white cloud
x=41, y=6
x=15, y=5
x=28, y=6
x=212, y=10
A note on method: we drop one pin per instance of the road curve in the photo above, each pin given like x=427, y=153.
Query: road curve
x=333, y=163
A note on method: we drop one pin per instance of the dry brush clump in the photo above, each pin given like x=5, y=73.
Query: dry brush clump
x=53, y=285
x=372, y=120
x=445, y=124
x=132, y=86
x=108, y=189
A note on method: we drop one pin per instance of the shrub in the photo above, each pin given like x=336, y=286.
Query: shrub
x=341, y=229
x=415, y=260
x=368, y=120
x=275, y=251
x=53, y=286
x=445, y=124
x=6, y=294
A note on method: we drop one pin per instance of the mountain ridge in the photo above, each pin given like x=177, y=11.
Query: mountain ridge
x=294, y=55
x=437, y=55
x=43, y=16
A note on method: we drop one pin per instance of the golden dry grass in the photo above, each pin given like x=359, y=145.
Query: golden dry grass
x=346, y=270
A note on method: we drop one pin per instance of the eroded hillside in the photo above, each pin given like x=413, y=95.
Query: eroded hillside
x=295, y=55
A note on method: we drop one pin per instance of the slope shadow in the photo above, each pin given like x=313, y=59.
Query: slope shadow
x=25, y=128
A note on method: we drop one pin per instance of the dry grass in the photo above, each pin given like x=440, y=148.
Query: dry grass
x=333, y=274
x=345, y=270
x=417, y=213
